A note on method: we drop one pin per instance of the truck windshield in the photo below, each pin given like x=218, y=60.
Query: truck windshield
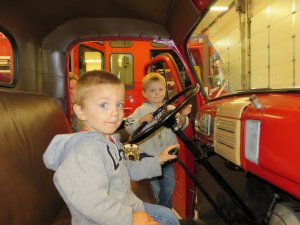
x=235, y=50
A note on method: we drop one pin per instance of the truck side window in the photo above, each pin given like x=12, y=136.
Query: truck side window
x=7, y=61
x=89, y=59
x=121, y=64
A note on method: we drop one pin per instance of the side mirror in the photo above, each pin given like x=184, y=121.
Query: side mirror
x=217, y=77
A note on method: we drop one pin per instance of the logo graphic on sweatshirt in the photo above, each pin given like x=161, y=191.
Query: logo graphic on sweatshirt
x=116, y=158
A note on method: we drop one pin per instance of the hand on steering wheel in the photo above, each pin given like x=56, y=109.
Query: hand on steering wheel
x=168, y=118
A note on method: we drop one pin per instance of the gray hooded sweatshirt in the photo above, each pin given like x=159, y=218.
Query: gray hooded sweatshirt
x=93, y=177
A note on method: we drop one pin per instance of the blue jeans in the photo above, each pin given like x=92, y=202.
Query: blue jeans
x=161, y=214
x=163, y=187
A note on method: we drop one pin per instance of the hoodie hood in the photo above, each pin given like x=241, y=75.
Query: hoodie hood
x=56, y=151
x=62, y=144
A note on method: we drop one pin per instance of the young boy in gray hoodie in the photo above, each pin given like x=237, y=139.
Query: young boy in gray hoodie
x=154, y=90
x=92, y=173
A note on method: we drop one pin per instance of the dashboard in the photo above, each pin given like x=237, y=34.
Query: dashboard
x=259, y=138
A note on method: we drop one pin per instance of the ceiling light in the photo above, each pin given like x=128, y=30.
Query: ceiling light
x=219, y=8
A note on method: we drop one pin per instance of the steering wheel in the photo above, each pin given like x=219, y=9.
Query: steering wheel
x=167, y=119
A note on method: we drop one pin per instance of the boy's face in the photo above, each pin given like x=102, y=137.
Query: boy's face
x=103, y=108
x=155, y=92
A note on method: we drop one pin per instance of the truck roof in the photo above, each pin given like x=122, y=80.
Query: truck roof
x=55, y=23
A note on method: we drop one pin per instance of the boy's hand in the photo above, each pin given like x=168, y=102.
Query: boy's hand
x=147, y=118
x=186, y=110
x=143, y=218
x=181, y=117
x=164, y=156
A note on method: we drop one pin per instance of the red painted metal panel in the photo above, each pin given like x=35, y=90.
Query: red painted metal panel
x=279, y=141
x=183, y=196
x=201, y=4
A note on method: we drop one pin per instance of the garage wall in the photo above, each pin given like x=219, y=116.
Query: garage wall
x=275, y=44
x=260, y=47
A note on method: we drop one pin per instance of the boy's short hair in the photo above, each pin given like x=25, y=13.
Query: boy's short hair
x=91, y=79
x=152, y=77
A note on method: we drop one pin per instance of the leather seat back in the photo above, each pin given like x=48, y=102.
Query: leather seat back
x=28, y=122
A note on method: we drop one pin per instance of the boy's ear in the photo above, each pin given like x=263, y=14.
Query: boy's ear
x=79, y=112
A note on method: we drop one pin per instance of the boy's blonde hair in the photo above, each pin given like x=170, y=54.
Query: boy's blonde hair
x=91, y=79
x=152, y=77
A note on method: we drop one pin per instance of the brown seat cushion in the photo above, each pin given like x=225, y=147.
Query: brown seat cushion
x=143, y=190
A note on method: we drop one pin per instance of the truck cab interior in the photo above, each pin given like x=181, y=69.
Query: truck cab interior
x=238, y=67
